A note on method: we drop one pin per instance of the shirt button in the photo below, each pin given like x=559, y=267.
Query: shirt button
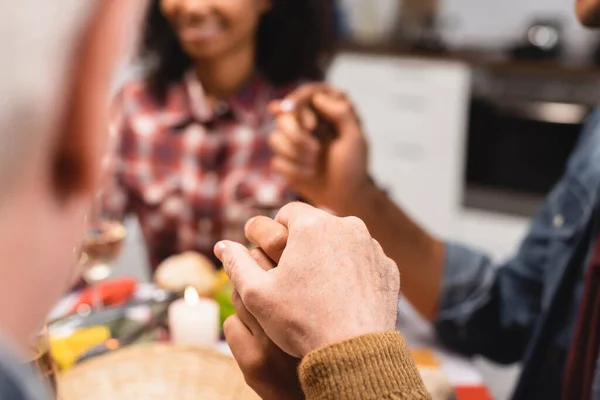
x=558, y=221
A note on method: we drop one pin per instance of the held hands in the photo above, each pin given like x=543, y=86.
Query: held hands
x=270, y=372
x=332, y=283
x=327, y=174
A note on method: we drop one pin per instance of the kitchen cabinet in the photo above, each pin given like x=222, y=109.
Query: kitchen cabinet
x=414, y=114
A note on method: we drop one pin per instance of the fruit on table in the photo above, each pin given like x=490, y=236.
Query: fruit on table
x=66, y=350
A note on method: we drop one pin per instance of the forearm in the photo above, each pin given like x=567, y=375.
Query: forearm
x=377, y=366
x=419, y=256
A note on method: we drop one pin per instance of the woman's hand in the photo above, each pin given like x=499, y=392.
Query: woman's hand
x=270, y=372
x=327, y=171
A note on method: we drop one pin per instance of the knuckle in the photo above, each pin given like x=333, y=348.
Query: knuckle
x=228, y=327
x=253, y=296
x=253, y=362
x=292, y=208
x=311, y=222
x=356, y=223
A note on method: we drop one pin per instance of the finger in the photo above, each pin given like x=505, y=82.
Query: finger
x=291, y=128
x=307, y=118
x=291, y=171
x=282, y=146
x=241, y=268
x=239, y=338
x=245, y=316
x=338, y=111
x=284, y=106
x=292, y=213
x=269, y=235
x=304, y=93
x=262, y=259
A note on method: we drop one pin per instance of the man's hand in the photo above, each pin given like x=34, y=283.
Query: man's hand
x=326, y=172
x=270, y=372
x=332, y=283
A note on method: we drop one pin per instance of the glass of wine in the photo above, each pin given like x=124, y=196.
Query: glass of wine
x=42, y=362
x=100, y=248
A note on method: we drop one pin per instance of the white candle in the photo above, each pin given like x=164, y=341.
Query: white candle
x=194, y=321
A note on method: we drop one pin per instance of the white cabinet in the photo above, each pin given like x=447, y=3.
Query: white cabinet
x=414, y=113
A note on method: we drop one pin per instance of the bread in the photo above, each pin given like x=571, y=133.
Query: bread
x=187, y=269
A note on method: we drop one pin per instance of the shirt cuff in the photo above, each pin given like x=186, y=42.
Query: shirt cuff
x=466, y=284
x=374, y=366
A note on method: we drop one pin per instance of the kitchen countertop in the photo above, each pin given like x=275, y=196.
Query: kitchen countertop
x=490, y=61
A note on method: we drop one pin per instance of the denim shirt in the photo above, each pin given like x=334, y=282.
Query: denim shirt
x=497, y=311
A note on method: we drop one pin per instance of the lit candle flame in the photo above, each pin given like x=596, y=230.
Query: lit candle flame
x=191, y=295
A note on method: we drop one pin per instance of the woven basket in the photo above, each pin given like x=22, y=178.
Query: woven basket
x=156, y=371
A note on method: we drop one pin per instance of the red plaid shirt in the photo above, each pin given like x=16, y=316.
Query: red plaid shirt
x=192, y=175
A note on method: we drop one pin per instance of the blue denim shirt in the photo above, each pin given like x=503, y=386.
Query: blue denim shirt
x=497, y=311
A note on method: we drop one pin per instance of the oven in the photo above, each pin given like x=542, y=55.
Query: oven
x=522, y=127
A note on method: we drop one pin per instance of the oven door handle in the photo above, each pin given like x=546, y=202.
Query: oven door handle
x=549, y=112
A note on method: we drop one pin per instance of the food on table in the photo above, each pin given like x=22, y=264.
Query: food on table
x=437, y=384
x=113, y=293
x=223, y=298
x=425, y=358
x=187, y=269
x=66, y=350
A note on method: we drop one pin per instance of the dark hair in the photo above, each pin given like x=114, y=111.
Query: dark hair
x=295, y=41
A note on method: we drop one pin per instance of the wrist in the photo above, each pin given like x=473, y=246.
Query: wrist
x=364, y=196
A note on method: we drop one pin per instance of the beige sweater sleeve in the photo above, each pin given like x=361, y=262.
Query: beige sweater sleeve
x=371, y=367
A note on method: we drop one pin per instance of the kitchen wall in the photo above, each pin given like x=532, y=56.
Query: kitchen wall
x=498, y=22
x=489, y=23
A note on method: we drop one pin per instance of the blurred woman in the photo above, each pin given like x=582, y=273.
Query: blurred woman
x=192, y=160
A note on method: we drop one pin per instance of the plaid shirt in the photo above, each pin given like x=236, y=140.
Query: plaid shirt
x=192, y=174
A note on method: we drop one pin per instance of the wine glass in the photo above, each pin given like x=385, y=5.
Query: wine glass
x=101, y=245
x=42, y=361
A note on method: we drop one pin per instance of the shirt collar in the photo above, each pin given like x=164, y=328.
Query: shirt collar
x=247, y=105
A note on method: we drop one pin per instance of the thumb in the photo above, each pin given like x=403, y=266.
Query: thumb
x=240, y=266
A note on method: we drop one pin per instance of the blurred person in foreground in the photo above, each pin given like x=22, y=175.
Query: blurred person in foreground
x=54, y=79
x=541, y=308
x=192, y=160
x=52, y=142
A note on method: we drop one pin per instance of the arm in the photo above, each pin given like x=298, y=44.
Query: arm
x=377, y=366
x=478, y=307
x=404, y=242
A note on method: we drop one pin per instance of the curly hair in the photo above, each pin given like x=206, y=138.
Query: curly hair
x=295, y=40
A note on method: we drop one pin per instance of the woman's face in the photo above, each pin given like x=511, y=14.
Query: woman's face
x=209, y=29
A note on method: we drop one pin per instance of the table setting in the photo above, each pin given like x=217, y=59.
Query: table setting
x=163, y=339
